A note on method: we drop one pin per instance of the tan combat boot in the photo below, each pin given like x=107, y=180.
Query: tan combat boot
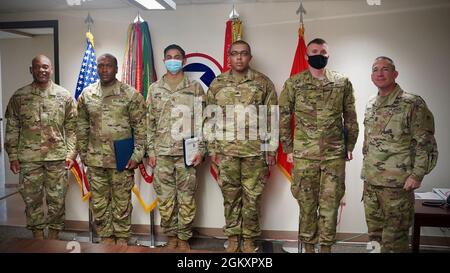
x=122, y=241
x=183, y=245
x=233, y=244
x=248, y=246
x=325, y=249
x=107, y=241
x=38, y=234
x=172, y=243
x=53, y=234
x=309, y=248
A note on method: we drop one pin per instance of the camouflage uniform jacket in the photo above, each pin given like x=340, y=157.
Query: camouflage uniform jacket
x=161, y=101
x=254, y=89
x=324, y=111
x=41, y=124
x=106, y=116
x=398, y=139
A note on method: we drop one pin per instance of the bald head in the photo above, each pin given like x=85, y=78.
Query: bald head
x=107, y=69
x=41, y=58
x=41, y=69
x=107, y=56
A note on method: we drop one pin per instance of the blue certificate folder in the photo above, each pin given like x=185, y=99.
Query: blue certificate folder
x=123, y=150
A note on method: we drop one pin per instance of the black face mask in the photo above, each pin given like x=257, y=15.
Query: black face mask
x=318, y=61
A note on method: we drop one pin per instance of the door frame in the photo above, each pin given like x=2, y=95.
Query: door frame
x=40, y=24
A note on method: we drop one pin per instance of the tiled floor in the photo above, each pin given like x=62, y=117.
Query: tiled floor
x=198, y=244
x=12, y=225
x=12, y=211
x=7, y=191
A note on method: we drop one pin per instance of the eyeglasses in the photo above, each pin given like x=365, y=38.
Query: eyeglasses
x=242, y=53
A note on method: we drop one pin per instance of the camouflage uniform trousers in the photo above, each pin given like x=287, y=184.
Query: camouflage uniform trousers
x=111, y=201
x=175, y=187
x=318, y=187
x=389, y=215
x=243, y=180
x=49, y=178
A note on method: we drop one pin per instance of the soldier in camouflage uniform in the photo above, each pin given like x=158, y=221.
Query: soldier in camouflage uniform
x=40, y=142
x=110, y=110
x=399, y=150
x=242, y=164
x=175, y=184
x=325, y=134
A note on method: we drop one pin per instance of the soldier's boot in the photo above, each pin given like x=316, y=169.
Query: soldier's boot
x=107, y=241
x=183, y=245
x=248, y=246
x=172, y=243
x=309, y=248
x=38, y=234
x=122, y=241
x=325, y=249
x=53, y=234
x=233, y=244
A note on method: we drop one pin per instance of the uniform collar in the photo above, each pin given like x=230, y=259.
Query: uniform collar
x=249, y=76
x=329, y=78
x=182, y=85
x=114, y=91
x=50, y=90
x=389, y=99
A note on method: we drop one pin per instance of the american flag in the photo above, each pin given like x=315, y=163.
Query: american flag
x=88, y=72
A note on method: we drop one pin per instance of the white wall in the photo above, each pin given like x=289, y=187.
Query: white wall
x=413, y=33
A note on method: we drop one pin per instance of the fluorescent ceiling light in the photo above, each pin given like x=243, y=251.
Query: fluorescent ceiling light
x=154, y=4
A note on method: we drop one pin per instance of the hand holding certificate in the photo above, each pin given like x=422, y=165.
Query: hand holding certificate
x=190, y=148
x=123, y=150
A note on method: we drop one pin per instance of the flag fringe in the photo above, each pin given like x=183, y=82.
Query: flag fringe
x=84, y=196
x=285, y=172
x=147, y=208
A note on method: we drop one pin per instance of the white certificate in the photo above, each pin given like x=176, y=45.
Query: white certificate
x=190, y=147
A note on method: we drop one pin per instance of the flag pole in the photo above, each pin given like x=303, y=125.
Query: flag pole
x=91, y=230
x=152, y=229
x=89, y=21
x=152, y=226
x=300, y=11
x=299, y=243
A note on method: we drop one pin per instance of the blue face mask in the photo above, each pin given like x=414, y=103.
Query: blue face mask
x=173, y=65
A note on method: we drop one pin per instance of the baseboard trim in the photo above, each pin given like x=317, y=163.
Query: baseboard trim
x=280, y=235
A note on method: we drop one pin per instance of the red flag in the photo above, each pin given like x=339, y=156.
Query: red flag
x=298, y=66
x=233, y=33
x=226, y=46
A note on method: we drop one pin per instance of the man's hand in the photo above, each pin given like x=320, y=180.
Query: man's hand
x=290, y=158
x=131, y=165
x=152, y=161
x=215, y=159
x=271, y=160
x=14, y=166
x=342, y=202
x=411, y=184
x=349, y=156
x=69, y=163
x=197, y=160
